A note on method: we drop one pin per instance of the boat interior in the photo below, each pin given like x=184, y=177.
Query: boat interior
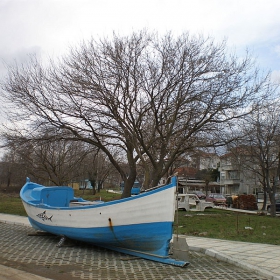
x=55, y=197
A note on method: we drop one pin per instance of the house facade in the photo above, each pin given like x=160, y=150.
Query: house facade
x=207, y=160
x=234, y=178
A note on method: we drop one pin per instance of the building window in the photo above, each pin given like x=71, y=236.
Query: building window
x=227, y=161
x=233, y=175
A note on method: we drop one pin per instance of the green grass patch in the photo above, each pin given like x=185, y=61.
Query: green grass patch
x=102, y=195
x=223, y=224
x=11, y=205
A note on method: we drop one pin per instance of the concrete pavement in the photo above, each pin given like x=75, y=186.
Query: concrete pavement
x=8, y=273
x=14, y=219
x=262, y=259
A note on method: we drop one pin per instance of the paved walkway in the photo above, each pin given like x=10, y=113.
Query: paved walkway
x=263, y=259
x=8, y=273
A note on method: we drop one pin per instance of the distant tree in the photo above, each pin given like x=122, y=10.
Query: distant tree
x=258, y=151
x=137, y=98
x=49, y=162
x=98, y=169
x=208, y=175
x=13, y=170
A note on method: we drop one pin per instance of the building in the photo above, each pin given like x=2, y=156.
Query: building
x=188, y=181
x=234, y=178
x=207, y=160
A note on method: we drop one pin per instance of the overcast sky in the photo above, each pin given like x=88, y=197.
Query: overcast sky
x=49, y=27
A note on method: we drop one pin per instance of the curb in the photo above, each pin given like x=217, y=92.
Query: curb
x=15, y=274
x=222, y=257
x=14, y=220
x=14, y=223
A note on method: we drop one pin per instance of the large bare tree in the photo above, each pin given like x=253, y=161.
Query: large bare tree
x=143, y=97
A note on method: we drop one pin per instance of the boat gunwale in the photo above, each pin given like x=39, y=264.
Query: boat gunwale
x=172, y=184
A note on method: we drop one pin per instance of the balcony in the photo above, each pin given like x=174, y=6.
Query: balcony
x=227, y=167
x=230, y=181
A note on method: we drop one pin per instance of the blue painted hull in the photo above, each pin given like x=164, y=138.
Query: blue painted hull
x=143, y=238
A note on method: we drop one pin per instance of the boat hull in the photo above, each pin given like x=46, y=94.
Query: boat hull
x=149, y=238
x=141, y=225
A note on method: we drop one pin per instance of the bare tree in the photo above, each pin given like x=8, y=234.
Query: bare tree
x=54, y=162
x=98, y=168
x=142, y=97
x=259, y=150
x=13, y=170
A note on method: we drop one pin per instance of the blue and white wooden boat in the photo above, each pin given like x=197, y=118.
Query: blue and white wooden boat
x=141, y=225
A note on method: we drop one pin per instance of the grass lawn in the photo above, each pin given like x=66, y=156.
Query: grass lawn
x=10, y=203
x=212, y=223
x=223, y=224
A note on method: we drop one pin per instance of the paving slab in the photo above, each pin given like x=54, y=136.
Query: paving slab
x=21, y=250
x=262, y=258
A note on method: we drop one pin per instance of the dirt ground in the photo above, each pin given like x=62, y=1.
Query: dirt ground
x=10, y=191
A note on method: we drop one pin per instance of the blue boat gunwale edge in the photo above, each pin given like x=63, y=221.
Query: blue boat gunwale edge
x=172, y=184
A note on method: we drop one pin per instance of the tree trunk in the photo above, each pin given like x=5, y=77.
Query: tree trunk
x=128, y=184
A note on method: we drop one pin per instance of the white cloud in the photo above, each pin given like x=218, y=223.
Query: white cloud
x=277, y=50
x=53, y=25
x=275, y=76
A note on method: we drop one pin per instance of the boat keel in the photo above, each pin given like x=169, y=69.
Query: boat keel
x=165, y=260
